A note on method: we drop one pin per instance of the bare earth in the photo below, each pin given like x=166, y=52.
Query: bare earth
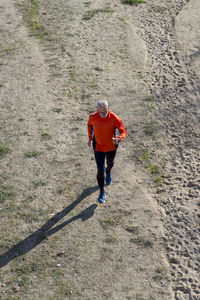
x=56, y=241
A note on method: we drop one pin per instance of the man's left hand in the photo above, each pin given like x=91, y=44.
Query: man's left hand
x=115, y=141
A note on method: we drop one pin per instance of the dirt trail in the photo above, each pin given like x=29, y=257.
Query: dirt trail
x=97, y=49
x=175, y=85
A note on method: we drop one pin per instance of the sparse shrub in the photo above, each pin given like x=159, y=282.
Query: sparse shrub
x=132, y=229
x=57, y=109
x=132, y=2
x=149, y=99
x=154, y=169
x=98, y=69
x=144, y=157
x=37, y=29
x=4, y=149
x=7, y=49
x=39, y=183
x=90, y=14
x=30, y=10
x=72, y=74
x=107, y=250
x=158, y=8
x=151, y=127
x=45, y=136
x=32, y=154
x=105, y=223
x=140, y=241
x=158, y=180
x=6, y=192
x=87, y=4
x=160, y=274
x=110, y=239
x=57, y=75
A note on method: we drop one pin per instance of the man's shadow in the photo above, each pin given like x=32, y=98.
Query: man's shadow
x=46, y=230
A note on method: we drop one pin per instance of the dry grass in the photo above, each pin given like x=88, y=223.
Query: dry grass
x=55, y=242
x=30, y=9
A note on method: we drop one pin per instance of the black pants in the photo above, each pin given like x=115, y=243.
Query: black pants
x=100, y=161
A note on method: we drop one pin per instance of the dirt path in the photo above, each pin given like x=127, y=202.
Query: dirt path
x=62, y=244
x=175, y=84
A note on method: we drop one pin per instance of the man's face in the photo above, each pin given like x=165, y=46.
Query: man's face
x=103, y=111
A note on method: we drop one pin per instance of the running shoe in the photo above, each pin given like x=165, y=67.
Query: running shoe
x=108, y=178
x=102, y=197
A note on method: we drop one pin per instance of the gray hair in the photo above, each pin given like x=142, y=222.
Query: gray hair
x=102, y=103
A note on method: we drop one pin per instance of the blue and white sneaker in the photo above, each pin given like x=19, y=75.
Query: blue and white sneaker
x=108, y=178
x=102, y=197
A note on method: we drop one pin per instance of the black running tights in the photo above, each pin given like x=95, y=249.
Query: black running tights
x=100, y=161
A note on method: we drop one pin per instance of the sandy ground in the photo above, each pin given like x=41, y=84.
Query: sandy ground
x=145, y=61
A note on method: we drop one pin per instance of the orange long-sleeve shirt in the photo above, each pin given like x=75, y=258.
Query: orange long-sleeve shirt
x=103, y=130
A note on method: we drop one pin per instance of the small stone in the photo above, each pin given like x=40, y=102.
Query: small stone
x=191, y=184
x=191, y=195
x=16, y=288
x=58, y=265
x=181, y=288
x=174, y=260
x=60, y=253
x=174, y=136
x=184, y=279
x=161, y=191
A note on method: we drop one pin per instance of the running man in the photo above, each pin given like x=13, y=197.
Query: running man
x=102, y=126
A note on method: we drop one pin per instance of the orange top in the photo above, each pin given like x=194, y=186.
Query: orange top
x=103, y=130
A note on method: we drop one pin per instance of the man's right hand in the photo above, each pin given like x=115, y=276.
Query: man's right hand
x=89, y=143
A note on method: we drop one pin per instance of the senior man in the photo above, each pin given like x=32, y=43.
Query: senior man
x=102, y=126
